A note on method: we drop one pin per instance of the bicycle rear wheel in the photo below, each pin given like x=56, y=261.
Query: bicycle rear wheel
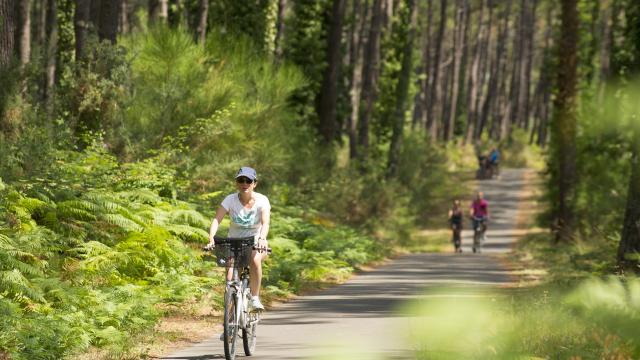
x=249, y=337
x=476, y=241
x=230, y=326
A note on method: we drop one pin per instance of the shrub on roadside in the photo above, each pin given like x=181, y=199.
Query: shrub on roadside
x=597, y=319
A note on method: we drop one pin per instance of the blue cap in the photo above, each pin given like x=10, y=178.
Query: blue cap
x=247, y=172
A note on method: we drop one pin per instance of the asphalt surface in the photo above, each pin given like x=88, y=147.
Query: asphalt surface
x=361, y=318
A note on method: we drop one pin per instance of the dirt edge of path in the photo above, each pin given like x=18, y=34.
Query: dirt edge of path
x=525, y=218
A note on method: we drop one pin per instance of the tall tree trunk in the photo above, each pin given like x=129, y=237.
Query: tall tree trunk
x=527, y=57
x=8, y=21
x=280, y=24
x=435, y=94
x=474, y=85
x=458, y=45
x=498, y=72
x=543, y=88
x=629, y=248
x=40, y=19
x=482, y=106
x=96, y=7
x=370, y=77
x=505, y=93
x=24, y=31
x=444, y=104
x=564, y=122
x=402, y=92
x=108, y=23
x=422, y=97
x=511, y=113
x=328, y=96
x=387, y=15
x=81, y=26
x=123, y=20
x=158, y=11
x=176, y=13
x=203, y=12
x=51, y=54
x=7, y=32
x=605, y=51
x=358, y=35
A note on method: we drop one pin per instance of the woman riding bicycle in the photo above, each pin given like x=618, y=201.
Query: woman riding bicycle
x=250, y=215
x=479, y=212
x=455, y=220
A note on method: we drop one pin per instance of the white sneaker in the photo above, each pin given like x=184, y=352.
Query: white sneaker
x=255, y=304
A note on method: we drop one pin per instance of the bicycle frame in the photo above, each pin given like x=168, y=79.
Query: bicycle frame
x=479, y=229
x=239, y=287
x=235, y=254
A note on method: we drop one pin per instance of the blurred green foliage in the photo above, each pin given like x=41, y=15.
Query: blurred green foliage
x=596, y=319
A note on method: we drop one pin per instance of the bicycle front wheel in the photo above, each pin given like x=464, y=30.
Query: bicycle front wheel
x=249, y=336
x=230, y=325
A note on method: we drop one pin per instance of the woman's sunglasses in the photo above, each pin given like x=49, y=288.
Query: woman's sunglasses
x=244, y=180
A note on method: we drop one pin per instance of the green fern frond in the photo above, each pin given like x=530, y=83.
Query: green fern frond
x=17, y=286
x=122, y=221
x=155, y=215
x=77, y=210
x=4, y=239
x=79, y=204
x=146, y=215
x=50, y=219
x=32, y=205
x=72, y=229
x=43, y=194
x=144, y=196
x=41, y=241
x=97, y=257
x=142, y=221
x=188, y=232
x=188, y=217
x=12, y=263
x=108, y=202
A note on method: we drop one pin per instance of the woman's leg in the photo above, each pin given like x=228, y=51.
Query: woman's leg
x=255, y=268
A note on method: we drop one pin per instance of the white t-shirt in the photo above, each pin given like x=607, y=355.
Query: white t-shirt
x=245, y=222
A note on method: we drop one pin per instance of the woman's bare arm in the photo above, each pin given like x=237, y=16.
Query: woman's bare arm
x=220, y=213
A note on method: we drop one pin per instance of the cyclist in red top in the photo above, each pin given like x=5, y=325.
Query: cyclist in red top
x=479, y=214
x=480, y=207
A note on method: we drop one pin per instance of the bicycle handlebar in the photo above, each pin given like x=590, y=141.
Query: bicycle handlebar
x=242, y=242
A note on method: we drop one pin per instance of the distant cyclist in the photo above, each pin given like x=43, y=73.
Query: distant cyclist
x=479, y=212
x=250, y=215
x=455, y=220
x=494, y=159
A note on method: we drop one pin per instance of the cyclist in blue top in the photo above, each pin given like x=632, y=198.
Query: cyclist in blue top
x=494, y=157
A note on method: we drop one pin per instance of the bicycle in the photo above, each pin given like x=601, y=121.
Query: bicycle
x=485, y=170
x=456, y=238
x=235, y=254
x=479, y=229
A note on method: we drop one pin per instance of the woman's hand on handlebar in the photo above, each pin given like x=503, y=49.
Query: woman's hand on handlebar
x=211, y=244
x=262, y=249
x=262, y=246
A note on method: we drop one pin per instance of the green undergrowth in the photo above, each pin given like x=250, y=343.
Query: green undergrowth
x=596, y=319
x=566, y=263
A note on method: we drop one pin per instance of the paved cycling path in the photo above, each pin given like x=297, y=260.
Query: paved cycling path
x=359, y=319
